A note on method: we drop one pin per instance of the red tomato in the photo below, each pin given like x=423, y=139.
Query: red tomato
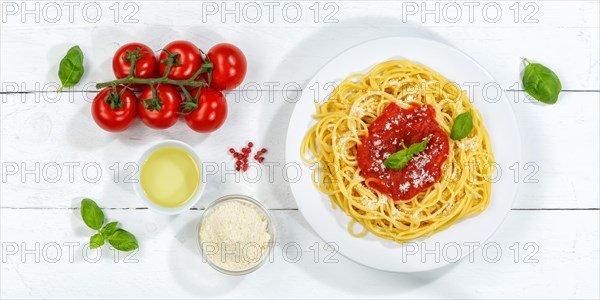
x=211, y=112
x=229, y=66
x=168, y=114
x=119, y=118
x=190, y=60
x=145, y=67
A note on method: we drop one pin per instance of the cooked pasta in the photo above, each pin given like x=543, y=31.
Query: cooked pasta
x=343, y=121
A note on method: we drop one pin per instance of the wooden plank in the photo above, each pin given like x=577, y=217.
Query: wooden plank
x=59, y=135
x=283, y=54
x=548, y=180
x=559, y=247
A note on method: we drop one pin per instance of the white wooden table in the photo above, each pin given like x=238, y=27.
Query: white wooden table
x=52, y=152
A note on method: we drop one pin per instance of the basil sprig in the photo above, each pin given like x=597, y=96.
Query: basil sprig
x=401, y=158
x=463, y=124
x=541, y=83
x=119, y=238
x=70, y=69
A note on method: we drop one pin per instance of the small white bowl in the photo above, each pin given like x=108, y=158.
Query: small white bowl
x=137, y=186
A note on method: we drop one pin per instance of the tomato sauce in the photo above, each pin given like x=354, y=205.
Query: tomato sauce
x=397, y=126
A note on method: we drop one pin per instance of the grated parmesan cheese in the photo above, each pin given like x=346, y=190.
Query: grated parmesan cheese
x=235, y=235
x=374, y=203
x=357, y=111
x=404, y=187
x=468, y=144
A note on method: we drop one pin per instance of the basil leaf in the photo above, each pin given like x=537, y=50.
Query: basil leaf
x=463, y=124
x=398, y=160
x=70, y=69
x=541, y=83
x=96, y=241
x=91, y=214
x=123, y=240
x=401, y=158
x=418, y=147
x=109, y=229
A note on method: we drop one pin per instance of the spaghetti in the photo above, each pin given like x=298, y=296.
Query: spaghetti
x=343, y=122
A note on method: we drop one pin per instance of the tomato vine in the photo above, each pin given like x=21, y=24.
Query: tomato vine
x=172, y=59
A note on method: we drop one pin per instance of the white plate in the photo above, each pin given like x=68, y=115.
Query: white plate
x=445, y=247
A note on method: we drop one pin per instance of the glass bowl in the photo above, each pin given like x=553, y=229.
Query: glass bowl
x=270, y=229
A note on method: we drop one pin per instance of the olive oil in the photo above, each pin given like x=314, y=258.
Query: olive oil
x=170, y=176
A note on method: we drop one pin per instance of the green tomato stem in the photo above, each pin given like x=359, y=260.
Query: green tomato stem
x=172, y=59
x=152, y=81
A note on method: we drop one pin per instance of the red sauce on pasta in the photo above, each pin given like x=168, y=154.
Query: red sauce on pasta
x=386, y=135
